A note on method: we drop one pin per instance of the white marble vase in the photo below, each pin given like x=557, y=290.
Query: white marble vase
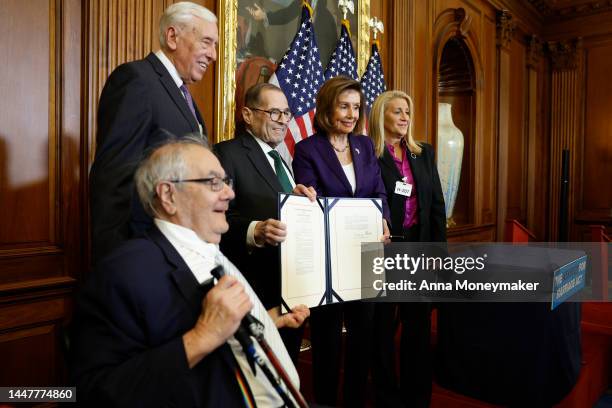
x=450, y=155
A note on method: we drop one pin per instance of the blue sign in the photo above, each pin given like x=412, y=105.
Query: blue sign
x=568, y=280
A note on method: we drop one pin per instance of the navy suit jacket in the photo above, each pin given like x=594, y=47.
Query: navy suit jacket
x=431, y=212
x=140, y=106
x=315, y=164
x=127, y=348
x=257, y=188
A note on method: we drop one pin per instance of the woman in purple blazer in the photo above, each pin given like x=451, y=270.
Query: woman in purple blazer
x=338, y=163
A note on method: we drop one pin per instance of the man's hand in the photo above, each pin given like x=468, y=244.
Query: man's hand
x=222, y=310
x=293, y=319
x=270, y=231
x=302, y=190
x=256, y=12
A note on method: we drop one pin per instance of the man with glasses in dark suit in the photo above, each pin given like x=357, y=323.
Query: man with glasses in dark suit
x=259, y=174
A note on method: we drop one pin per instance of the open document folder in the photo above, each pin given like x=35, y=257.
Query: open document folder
x=321, y=257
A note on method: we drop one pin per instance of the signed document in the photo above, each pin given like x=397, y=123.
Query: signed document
x=321, y=257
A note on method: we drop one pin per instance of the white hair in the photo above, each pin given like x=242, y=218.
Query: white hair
x=163, y=167
x=181, y=15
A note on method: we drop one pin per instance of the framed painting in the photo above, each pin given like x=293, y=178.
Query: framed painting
x=254, y=35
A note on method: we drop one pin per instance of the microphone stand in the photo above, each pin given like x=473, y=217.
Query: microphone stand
x=256, y=329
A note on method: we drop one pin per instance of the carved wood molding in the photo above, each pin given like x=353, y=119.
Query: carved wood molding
x=505, y=28
x=464, y=21
x=564, y=13
x=535, y=50
x=565, y=55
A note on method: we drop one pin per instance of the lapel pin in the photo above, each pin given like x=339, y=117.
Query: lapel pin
x=357, y=150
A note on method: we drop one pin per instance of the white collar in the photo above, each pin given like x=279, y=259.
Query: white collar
x=188, y=244
x=264, y=146
x=170, y=67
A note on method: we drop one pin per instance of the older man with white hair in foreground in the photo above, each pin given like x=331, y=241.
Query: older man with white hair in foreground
x=151, y=329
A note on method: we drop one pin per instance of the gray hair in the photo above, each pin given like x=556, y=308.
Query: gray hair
x=181, y=15
x=155, y=168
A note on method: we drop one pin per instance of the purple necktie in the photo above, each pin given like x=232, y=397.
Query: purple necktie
x=189, y=100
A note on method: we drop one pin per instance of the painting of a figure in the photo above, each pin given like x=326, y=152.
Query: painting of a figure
x=265, y=30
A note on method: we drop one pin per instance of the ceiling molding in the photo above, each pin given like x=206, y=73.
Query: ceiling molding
x=549, y=12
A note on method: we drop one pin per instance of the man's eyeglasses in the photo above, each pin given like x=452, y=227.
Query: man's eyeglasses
x=215, y=183
x=275, y=114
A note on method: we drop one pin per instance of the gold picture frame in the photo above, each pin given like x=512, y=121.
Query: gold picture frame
x=225, y=120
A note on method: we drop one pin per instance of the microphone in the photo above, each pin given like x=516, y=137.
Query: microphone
x=249, y=323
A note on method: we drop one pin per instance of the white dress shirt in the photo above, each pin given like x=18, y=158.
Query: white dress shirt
x=250, y=238
x=175, y=76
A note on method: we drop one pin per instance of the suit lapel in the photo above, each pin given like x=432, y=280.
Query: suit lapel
x=182, y=275
x=174, y=92
x=389, y=163
x=326, y=151
x=260, y=162
x=417, y=165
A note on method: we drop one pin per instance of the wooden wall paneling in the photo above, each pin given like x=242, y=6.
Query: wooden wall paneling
x=537, y=136
x=383, y=10
x=485, y=149
x=517, y=149
x=26, y=191
x=41, y=246
x=505, y=28
x=403, y=37
x=40, y=367
x=72, y=153
x=593, y=200
x=424, y=16
x=566, y=100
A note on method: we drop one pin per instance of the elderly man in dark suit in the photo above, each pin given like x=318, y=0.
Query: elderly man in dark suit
x=141, y=103
x=260, y=174
x=150, y=329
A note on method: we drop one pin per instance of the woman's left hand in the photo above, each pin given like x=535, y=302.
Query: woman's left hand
x=386, y=238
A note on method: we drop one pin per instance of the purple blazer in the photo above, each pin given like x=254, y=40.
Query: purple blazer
x=315, y=164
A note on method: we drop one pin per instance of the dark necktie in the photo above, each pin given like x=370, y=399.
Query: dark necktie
x=283, y=178
x=189, y=100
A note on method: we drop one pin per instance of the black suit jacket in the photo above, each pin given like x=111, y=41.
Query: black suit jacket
x=431, y=213
x=256, y=187
x=127, y=348
x=140, y=106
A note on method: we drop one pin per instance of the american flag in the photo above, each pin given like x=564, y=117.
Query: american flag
x=300, y=75
x=373, y=79
x=343, y=61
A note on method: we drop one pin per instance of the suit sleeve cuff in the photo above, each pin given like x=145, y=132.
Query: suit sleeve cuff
x=250, y=236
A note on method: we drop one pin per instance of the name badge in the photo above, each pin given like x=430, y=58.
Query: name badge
x=403, y=188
